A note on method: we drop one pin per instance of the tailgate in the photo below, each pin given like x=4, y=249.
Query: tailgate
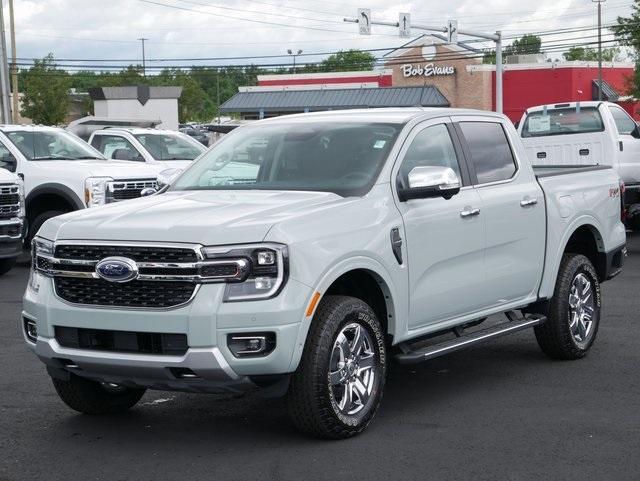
x=571, y=149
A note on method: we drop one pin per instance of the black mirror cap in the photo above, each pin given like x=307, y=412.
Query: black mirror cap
x=635, y=133
x=405, y=194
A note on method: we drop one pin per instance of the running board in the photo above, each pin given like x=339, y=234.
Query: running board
x=515, y=323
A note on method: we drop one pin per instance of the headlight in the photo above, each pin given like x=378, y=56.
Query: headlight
x=95, y=191
x=41, y=252
x=267, y=270
x=22, y=212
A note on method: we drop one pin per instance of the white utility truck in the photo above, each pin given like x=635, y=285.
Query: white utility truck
x=11, y=215
x=350, y=239
x=587, y=133
x=62, y=173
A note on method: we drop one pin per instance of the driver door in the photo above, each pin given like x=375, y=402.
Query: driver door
x=445, y=238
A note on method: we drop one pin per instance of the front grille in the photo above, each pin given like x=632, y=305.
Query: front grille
x=9, y=201
x=143, y=294
x=129, y=190
x=14, y=230
x=138, y=254
x=122, y=341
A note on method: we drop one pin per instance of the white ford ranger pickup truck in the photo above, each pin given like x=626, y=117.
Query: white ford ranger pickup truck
x=587, y=133
x=62, y=173
x=358, y=237
x=11, y=216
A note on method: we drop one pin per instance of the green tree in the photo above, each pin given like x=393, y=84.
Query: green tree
x=526, y=45
x=627, y=32
x=591, y=54
x=348, y=60
x=194, y=104
x=45, y=92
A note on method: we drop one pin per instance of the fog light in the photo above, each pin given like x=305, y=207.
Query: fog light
x=31, y=329
x=251, y=344
x=263, y=283
x=266, y=258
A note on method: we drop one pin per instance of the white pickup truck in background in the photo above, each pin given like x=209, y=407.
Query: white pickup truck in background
x=163, y=148
x=11, y=217
x=61, y=173
x=587, y=133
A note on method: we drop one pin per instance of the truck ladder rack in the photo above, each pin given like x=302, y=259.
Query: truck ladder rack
x=514, y=324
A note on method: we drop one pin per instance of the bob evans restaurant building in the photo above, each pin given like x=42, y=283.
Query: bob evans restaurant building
x=427, y=72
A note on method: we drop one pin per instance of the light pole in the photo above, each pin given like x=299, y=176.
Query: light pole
x=599, y=2
x=144, y=62
x=14, y=67
x=294, y=55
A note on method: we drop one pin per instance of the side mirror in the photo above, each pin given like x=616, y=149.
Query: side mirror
x=427, y=182
x=9, y=162
x=166, y=177
x=635, y=133
x=148, y=191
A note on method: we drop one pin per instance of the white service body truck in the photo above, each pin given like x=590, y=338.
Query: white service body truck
x=361, y=236
x=587, y=133
x=62, y=173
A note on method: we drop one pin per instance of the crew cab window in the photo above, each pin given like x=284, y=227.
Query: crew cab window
x=624, y=123
x=116, y=147
x=432, y=147
x=169, y=147
x=561, y=121
x=491, y=154
x=7, y=160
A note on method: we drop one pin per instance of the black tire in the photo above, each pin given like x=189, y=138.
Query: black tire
x=40, y=219
x=311, y=398
x=90, y=397
x=555, y=336
x=7, y=264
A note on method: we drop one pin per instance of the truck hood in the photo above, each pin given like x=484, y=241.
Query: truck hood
x=7, y=177
x=208, y=218
x=116, y=169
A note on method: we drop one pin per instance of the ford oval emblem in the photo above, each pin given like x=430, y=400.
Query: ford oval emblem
x=117, y=269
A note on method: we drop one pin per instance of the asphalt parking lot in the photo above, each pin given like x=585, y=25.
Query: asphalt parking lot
x=495, y=412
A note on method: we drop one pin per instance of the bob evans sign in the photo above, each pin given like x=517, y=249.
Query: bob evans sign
x=428, y=70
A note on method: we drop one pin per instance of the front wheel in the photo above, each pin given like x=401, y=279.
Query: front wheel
x=336, y=391
x=574, y=311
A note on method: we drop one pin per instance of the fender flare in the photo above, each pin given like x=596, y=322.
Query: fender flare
x=60, y=190
x=328, y=278
x=547, y=285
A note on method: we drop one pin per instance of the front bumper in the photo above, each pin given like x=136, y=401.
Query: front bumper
x=206, y=321
x=11, y=231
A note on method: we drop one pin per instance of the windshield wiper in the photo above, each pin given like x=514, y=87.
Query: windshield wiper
x=52, y=157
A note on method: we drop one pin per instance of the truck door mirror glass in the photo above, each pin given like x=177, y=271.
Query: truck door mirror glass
x=8, y=162
x=430, y=181
x=635, y=133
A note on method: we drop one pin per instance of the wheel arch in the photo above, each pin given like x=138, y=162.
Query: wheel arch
x=61, y=195
x=361, y=277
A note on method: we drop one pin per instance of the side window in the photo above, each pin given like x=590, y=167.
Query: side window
x=7, y=160
x=430, y=148
x=490, y=151
x=116, y=147
x=624, y=123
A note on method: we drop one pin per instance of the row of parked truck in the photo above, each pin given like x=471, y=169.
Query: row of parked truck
x=301, y=253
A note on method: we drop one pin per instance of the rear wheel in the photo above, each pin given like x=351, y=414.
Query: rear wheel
x=574, y=311
x=336, y=391
x=92, y=397
x=7, y=264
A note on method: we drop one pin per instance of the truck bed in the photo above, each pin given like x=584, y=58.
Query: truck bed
x=541, y=171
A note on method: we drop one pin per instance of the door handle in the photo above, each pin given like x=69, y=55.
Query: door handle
x=469, y=212
x=528, y=202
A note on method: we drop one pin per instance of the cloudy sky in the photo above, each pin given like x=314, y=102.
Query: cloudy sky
x=94, y=30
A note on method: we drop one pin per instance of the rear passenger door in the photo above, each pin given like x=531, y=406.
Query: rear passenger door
x=512, y=209
x=444, y=237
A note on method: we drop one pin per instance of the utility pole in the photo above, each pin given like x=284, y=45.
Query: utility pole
x=294, y=55
x=144, y=61
x=599, y=2
x=4, y=72
x=14, y=67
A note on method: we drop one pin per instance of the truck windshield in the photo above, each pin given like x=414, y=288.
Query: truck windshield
x=169, y=147
x=562, y=121
x=51, y=145
x=340, y=157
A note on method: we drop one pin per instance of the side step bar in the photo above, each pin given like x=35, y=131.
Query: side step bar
x=516, y=323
